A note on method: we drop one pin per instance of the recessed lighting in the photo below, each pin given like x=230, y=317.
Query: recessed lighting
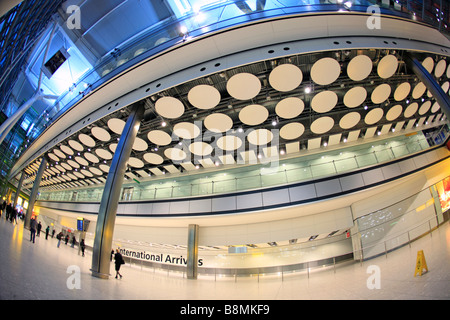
x=308, y=90
x=163, y=123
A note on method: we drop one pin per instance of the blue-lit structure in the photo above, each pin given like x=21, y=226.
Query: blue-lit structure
x=255, y=114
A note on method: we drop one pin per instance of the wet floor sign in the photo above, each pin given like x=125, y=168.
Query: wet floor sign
x=421, y=264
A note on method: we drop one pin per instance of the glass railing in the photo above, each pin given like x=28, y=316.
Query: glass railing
x=174, y=31
x=244, y=177
x=386, y=229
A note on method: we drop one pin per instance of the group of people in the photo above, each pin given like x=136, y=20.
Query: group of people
x=11, y=213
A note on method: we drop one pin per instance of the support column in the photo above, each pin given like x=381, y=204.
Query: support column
x=192, y=252
x=430, y=83
x=19, y=188
x=34, y=191
x=111, y=195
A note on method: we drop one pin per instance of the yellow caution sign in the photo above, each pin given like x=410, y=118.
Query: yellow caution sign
x=421, y=264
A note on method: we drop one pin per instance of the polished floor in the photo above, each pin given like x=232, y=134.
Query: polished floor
x=41, y=271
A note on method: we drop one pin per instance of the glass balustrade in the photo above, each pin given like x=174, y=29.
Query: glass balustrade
x=251, y=177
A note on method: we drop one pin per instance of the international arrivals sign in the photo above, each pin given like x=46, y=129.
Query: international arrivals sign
x=157, y=257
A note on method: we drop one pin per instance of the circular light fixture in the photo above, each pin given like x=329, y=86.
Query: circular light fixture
x=260, y=137
x=204, y=96
x=349, y=120
x=169, y=107
x=86, y=140
x=175, y=154
x=153, y=158
x=139, y=144
x=289, y=108
x=253, y=114
x=229, y=143
x=325, y=71
x=381, y=93
x=285, y=77
x=418, y=90
x=394, y=112
x=373, y=116
x=411, y=110
x=101, y=134
x=355, y=97
x=387, y=66
x=159, y=137
x=186, y=130
x=243, y=86
x=292, y=130
x=324, y=101
x=322, y=125
x=116, y=125
x=200, y=148
x=359, y=68
x=135, y=162
x=218, y=122
x=76, y=145
x=402, y=91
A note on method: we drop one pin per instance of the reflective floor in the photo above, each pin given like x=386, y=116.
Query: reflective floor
x=41, y=271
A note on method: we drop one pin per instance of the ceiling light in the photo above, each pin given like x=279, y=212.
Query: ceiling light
x=308, y=90
x=163, y=123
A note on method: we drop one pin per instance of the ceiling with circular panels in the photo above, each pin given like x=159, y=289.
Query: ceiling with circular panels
x=283, y=102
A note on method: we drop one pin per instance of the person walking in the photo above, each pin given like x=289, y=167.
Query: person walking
x=82, y=246
x=33, y=225
x=59, y=237
x=39, y=227
x=118, y=261
x=47, y=230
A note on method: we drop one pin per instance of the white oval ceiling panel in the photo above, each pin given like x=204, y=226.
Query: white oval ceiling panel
x=60, y=168
x=159, y=137
x=324, y=101
x=73, y=164
x=113, y=147
x=53, y=157
x=104, y=154
x=289, y=108
x=135, y=162
x=424, y=107
x=90, y=157
x=169, y=107
x=175, y=154
x=373, y=116
x=440, y=68
x=445, y=86
x=81, y=161
x=253, y=114
x=322, y=125
x=428, y=64
x=86, y=140
x=292, y=130
x=96, y=171
x=153, y=158
x=285, y=77
x=381, y=93
x=387, y=66
x=66, y=166
x=186, y=130
x=59, y=154
x=359, y=68
x=139, y=144
x=394, y=112
x=200, y=148
x=355, y=97
x=243, y=86
x=325, y=71
x=411, y=109
x=76, y=145
x=260, y=137
x=87, y=173
x=436, y=107
x=101, y=134
x=204, y=96
x=229, y=143
x=67, y=150
x=116, y=125
x=218, y=122
x=104, y=167
x=402, y=91
x=418, y=90
x=349, y=120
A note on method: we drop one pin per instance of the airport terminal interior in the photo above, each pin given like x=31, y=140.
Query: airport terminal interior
x=260, y=149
